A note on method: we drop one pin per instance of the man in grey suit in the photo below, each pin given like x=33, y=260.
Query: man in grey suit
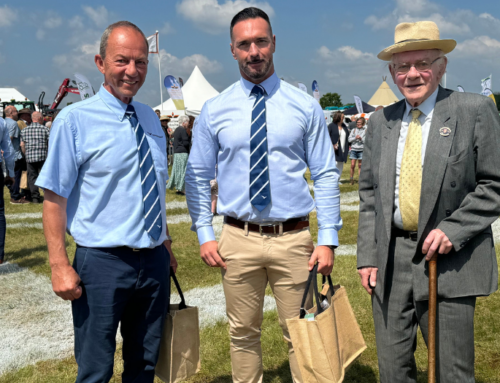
x=429, y=187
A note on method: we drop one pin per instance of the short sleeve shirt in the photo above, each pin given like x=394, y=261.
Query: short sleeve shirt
x=94, y=163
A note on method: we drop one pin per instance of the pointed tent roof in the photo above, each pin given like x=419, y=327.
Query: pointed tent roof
x=196, y=91
x=384, y=95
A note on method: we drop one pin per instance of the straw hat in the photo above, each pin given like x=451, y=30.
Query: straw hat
x=165, y=118
x=417, y=36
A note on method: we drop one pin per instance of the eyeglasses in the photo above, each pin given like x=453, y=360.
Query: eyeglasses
x=421, y=66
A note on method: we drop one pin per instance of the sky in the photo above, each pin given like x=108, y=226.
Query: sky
x=333, y=42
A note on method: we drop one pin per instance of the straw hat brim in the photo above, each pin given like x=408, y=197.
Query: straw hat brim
x=406, y=46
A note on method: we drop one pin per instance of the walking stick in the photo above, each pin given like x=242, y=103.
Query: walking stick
x=431, y=345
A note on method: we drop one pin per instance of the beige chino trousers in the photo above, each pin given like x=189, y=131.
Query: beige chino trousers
x=253, y=261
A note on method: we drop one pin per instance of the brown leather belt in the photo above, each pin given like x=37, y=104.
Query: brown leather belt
x=290, y=225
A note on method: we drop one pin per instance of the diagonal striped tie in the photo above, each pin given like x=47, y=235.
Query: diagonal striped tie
x=260, y=188
x=151, y=198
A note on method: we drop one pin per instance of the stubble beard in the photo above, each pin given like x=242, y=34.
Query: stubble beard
x=257, y=76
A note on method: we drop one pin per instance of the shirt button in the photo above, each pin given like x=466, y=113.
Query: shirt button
x=453, y=184
x=448, y=213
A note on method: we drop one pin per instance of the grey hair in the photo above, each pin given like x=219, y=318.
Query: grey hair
x=183, y=119
x=109, y=29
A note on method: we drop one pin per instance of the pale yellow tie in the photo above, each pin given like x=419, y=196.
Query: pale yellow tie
x=410, y=179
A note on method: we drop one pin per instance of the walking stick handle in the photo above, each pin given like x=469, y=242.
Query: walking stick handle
x=431, y=345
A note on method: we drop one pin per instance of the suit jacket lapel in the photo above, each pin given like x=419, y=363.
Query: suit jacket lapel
x=387, y=169
x=437, y=151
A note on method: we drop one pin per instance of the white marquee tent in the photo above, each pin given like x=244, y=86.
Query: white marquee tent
x=196, y=91
x=7, y=94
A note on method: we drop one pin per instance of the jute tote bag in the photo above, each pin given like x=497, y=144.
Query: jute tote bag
x=180, y=343
x=327, y=340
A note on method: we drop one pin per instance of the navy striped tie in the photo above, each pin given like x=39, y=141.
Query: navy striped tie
x=260, y=188
x=151, y=198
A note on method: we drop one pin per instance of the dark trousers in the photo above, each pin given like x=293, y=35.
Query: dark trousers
x=399, y=315
x=15, y=192
x=2, y=219
x=124, y=286
x=34, y=169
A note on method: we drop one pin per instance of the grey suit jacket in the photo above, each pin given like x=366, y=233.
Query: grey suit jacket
x=460, y=194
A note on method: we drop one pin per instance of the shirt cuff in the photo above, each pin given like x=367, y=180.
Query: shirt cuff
x=328, y=237
x=205, y=234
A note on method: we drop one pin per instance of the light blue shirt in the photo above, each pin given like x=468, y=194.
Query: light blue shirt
x=425, y=118
x=8, y=150
x=297, y=138
x=15, y=134
x=93, y=162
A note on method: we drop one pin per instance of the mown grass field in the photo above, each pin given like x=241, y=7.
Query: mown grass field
x=26, y=247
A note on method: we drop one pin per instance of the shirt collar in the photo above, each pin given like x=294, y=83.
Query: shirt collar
x=426, y=107
x=268, y=84
x=117, y=106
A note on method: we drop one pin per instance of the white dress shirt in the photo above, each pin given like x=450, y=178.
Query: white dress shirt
x=427, y=109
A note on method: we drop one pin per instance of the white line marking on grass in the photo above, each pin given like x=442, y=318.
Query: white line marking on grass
x=176, y=205
x=181, y=218
x=23, y=216
x=23, y=225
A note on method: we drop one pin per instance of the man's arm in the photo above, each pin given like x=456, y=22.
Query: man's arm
x=23, y=147
x=480, y=208
x=367, y=248
x=200, y=170
x=320, y=158
x=65, y=280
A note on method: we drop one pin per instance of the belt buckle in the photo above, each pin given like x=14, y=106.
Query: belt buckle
x=268, y=225
x=413, y=235
x=136, y=250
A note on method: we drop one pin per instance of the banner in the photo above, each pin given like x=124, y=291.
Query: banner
x=84, y=87
x=315, y=90
x=302, y=87
x=486, y=85
x=460, y=88
x=153, y=43
x=359, y=104
x=175, y=92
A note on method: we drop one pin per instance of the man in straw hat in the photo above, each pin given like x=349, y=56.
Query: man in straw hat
x=429, y=186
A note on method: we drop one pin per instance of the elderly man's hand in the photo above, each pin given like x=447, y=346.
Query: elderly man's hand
x=210, y=255
x=325, y=258
x=368, y=277
x=436, y=241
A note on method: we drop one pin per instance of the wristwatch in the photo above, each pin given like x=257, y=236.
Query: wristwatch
x=169, y=238
x=332, y=248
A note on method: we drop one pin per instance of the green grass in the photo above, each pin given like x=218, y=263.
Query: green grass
x=27, y=248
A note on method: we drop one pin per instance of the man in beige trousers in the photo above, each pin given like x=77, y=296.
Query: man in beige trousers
x=263, y=134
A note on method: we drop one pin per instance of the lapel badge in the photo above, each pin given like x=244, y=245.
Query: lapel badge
x=445, y=132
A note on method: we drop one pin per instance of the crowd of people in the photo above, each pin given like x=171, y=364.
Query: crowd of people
x=429, y=189
x=29, y=135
